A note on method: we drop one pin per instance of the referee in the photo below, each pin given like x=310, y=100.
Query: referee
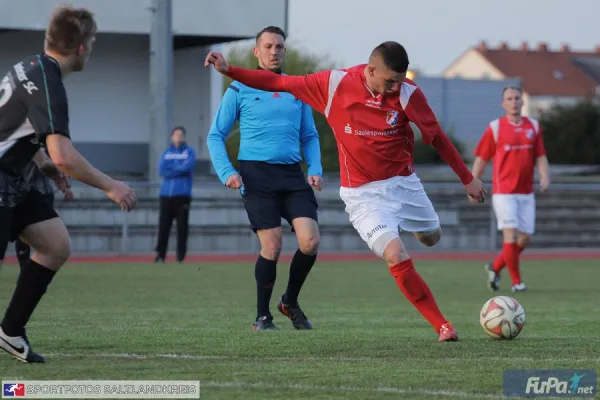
x=273, y=129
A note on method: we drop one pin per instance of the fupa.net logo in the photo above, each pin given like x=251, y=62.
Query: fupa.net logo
x=555, y=386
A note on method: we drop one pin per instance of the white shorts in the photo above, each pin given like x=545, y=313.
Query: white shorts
x=515, y=211
x=379, y=209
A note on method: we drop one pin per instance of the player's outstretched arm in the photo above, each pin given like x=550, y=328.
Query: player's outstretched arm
x=311, y=89
x=71, y=162
x=257, y=79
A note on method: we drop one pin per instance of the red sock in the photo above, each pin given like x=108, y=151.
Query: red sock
x=417, y=292
x=511, y=255
x=500, y=263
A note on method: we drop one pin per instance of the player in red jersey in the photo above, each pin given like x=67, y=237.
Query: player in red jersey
x=516, y=146
x=369, y=108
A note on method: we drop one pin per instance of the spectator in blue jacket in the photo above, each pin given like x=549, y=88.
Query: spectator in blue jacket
x=176, y=168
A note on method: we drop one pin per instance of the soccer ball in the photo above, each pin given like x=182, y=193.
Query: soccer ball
x=502, y=317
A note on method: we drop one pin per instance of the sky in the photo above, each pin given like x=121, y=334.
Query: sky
x=436, y=32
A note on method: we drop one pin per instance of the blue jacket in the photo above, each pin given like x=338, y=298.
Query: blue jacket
x=274, y=127
x=177, y=167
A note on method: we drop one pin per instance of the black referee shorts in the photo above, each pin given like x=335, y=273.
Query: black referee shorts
x=275, y=191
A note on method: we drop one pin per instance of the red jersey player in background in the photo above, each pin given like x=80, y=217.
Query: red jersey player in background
x=516, y=146
x=369, y=108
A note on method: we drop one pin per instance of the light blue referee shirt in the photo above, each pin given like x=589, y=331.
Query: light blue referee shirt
x=275, y=127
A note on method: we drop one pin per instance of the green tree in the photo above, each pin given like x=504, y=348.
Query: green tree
x=297, y=62
x=572, y=133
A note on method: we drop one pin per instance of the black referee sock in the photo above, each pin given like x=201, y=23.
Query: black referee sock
x=31, y=286
x=265, y=273
x=299, y=269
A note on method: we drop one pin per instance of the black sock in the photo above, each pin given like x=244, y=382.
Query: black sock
x=23, y=252
x=299, y=269
x=31, y=286
x=265, y=273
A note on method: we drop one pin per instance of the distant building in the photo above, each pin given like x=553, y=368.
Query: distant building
x=547, y=77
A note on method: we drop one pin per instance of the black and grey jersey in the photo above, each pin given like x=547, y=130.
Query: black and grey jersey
x=33, y=105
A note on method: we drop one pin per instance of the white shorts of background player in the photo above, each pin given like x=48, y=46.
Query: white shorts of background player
x=515, y=211
x=378, y=209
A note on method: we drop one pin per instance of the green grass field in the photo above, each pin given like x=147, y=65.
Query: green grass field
x=192, y=322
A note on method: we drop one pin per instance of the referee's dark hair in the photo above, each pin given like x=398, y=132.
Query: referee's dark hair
x=271, y=29
x=68, y=29
x=393, y=55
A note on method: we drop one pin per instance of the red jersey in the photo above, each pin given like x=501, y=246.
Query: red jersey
x=514, y=149
x=372, y=131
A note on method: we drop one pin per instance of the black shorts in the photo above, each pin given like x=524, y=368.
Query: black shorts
x=31, y=208
x=275, y=191
x=49, y=198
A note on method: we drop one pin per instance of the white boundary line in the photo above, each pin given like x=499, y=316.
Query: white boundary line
x=132, y=356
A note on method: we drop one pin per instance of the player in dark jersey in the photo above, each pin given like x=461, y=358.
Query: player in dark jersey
x=34, y=115
x=37, y=180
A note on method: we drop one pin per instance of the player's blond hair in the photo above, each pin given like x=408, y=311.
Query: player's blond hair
x=69, y=28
